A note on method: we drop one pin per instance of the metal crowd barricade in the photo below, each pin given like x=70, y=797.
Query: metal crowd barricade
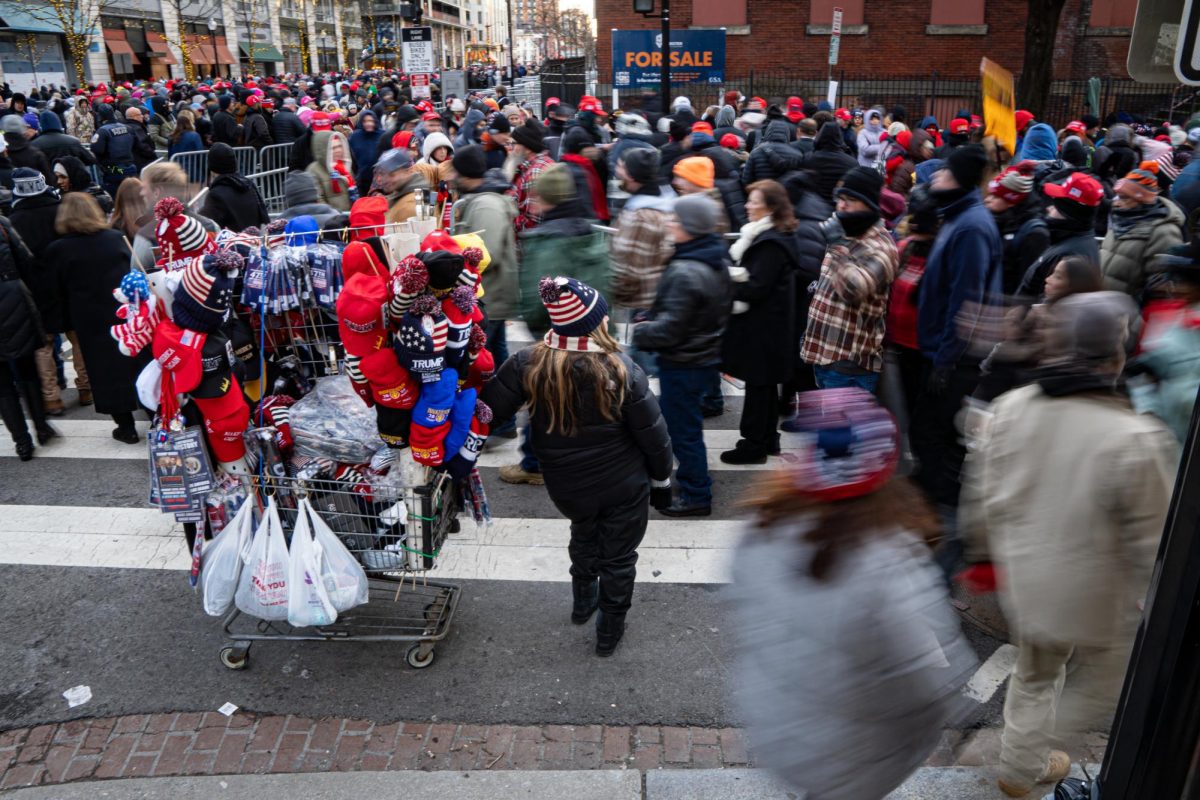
x=271, y=174
x=195, y=164
x=247, y=160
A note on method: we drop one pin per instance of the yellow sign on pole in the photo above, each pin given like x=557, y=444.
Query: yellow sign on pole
x=999, y=104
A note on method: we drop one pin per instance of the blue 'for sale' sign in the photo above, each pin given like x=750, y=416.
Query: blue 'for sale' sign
x=696, y=57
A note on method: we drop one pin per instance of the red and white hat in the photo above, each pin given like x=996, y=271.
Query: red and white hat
x=575, y=308
x=179, y=236
x=856, y=445
x=1079, y=187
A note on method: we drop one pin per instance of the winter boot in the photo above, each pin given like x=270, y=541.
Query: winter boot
x=14, y=420
x=609, y=630
x=587, y=598
x=32, y=392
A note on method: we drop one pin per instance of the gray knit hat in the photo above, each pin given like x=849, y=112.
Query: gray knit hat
x=697, y=214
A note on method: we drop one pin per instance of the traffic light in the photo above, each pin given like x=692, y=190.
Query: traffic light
x=411, y=12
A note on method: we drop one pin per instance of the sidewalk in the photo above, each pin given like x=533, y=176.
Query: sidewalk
x=82, y=752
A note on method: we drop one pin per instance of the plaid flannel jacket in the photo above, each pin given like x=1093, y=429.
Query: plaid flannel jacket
x=848, y=312
x=640, y=252
x=523, y=182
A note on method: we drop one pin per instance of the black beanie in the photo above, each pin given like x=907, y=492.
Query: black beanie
x=221, y=160
x=862, y=183
x=641, y=164
x=530, y=135
x=1075, y=211
x=469, y=161
x=966, y=164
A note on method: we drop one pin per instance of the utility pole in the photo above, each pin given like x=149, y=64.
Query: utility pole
x=666, y=57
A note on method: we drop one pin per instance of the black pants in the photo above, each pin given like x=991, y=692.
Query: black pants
x=12, y=373
x=935, y=439
x=604, y=542
x=760, y=419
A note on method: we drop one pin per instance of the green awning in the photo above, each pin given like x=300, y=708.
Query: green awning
x=262, y=52
x=15, y=18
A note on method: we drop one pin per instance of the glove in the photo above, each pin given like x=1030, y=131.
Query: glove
x=660, y=494
x=832, y=230
x=938, y=382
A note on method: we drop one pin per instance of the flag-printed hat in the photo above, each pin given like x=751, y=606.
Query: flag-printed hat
x=854, y=445
x=205, y=293
x=575, y=308
x=420, y=341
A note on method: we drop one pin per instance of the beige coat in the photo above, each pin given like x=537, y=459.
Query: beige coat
x=1074, y=493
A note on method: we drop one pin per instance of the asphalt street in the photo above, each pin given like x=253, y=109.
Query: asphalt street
x=140, y=640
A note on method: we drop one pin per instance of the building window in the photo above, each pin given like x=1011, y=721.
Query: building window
x=714, y=13
x=821, y=12
x=956, y=12
x=1112, y=13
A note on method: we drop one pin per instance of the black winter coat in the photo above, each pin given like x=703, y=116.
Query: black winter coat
x=88, y=268
x=771, y=161
x=691, y=306
x=828, y=161
x=23, y=154
x=604, y=461
x=286, y=127
x=256, y=132
x=20, y=323
x=143, y=146
x=55, y=145
x=1066, y=240
x=233, y=202
x=810, y=212
x=225, y=128
x=33, y=218
x=760, y=343
x=1025, y=237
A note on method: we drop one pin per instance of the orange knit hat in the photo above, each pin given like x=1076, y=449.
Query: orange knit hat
x=1141, y=184
x=698, y=170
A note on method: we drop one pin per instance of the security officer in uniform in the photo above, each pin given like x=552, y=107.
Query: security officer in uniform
x=113, y=145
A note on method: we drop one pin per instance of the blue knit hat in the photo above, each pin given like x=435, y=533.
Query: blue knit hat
x=575, y=308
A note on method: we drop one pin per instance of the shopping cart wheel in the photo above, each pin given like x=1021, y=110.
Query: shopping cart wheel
x=414, y=658
x=233, y=659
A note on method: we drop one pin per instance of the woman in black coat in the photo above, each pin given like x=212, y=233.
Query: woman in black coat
x=20, y=335
x=89, y=261
x=810, y=211
x=760, y=344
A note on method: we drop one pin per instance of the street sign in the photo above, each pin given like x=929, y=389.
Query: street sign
x=1187, y=55
x=416, y=49
x=420, y=85
x=835, y=38
x=454, y=82
x=696, y=57
x=1153, y=42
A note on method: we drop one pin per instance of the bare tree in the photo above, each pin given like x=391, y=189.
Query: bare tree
x=75, y=20
x=185, y=11
x=1041, y=28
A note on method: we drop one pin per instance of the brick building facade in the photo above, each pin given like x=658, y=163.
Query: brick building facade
x=889, y=38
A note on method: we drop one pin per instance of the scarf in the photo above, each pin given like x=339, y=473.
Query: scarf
x=341, y=174
x=749, y=232
x=1123, y=221
x=1060, y=380
x=574, y=344
x=599, y=203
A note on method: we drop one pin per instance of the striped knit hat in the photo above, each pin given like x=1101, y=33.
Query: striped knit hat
x=1141, y=184
x=204, y=294
x=576, y=310
x=855, y=445
x=420, y=341
x=179, y=236
x=1013, y=184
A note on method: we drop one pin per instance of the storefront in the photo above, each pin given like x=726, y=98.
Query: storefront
x=32, y=52
x=159, y=55
x=260, y=58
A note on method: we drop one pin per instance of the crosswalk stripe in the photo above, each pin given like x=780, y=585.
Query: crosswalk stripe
x=92, y=439
x=674, y=551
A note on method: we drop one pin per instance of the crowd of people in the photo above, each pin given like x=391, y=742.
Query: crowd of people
x=1024, y=306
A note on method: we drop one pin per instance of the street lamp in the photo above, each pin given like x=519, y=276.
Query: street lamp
x=322, y=61
x=212, y=40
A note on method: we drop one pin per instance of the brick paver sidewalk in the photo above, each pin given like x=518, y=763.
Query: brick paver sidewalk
x=212, y=744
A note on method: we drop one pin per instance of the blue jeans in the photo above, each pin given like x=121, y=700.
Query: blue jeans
x=714, y=398
x=829, y=378
x=680, y=394
x=529, y=461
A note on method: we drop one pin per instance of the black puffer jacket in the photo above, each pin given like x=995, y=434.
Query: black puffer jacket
x=1068, y=238
x=829, y=160
x=774, y=157
x=604, y=460
x=691, y=307
x=33, y=218
x=810, y=211
x=20, y=324
x=233, y=202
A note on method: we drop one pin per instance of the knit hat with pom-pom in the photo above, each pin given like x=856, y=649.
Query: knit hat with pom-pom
x=179, y=236
x=420, y=340
x=203, y=297
x=409, y=280
x=575, y=309
x=461, y=312
x=1141, y=184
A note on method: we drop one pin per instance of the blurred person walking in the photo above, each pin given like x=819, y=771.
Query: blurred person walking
x=1074, y=489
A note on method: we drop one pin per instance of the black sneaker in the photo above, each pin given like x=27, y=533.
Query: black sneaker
x=126, y=435
x=710, y=412
x=739, y=455
x=678, y=508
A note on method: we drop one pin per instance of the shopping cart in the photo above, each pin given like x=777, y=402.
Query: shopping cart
x=397, y=534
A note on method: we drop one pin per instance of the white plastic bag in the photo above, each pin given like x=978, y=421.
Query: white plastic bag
x=221, y=563
x=308, y=601
x=343, y=576
x=262, y=589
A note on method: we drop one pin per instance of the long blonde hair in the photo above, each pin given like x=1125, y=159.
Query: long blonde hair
x=552, y=387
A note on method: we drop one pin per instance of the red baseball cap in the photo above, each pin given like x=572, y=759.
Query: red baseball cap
x=552, y=101
x=843, y=114
x=1079, y=188
x=319, y=121
x=430, y=115
x=959, y=125
x=795, y=109
x=731, y=141
x=1023, y=119
x=1075, y=126
x=253, y=100
x=592, y=104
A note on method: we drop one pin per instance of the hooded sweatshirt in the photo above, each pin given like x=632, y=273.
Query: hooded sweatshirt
x=869, y=138
x=365, y=147
x=335, y=179
x=468, y=133
x=828, y=161
x=1041, y=144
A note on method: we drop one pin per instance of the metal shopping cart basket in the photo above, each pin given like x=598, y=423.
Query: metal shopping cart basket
x=397, y=536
